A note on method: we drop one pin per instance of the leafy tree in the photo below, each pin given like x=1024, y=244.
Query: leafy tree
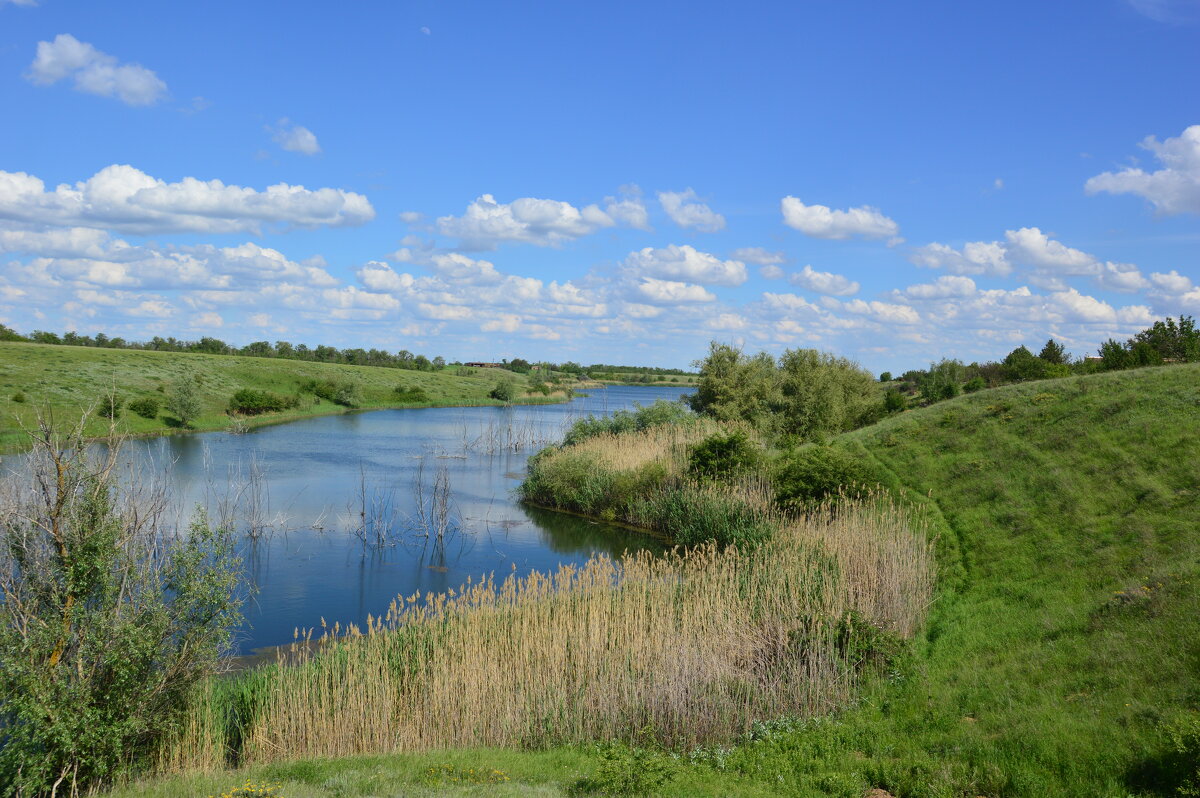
x=505, y=391
x=107, y=623
x=885, y=376
x=1114, y=355
x=1053, y=352
x=1171, y=339
x=1021, y=364
x=943, y=380
x=184, y=400
x=823, y=395
x=9, y=334
x=733, y=386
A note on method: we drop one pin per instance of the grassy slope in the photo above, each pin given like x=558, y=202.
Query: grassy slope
x=1068, y=627
x=68, y=378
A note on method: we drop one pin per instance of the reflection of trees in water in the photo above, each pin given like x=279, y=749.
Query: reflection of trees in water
x=572, y=534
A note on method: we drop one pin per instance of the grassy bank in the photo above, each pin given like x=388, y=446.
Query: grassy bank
x=68, y=379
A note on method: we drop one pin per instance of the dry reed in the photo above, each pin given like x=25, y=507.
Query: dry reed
x=695, y=646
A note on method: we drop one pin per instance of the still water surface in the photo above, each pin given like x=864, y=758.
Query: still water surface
x=315, y=488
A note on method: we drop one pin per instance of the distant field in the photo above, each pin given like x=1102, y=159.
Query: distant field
x=68, y=379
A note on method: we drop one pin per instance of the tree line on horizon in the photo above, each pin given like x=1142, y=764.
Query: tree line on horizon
x=356, y=356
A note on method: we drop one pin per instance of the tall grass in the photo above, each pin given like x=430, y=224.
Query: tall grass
x=641, y=478
x=694, y=647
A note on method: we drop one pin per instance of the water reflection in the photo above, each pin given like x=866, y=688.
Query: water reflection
x=311, y=484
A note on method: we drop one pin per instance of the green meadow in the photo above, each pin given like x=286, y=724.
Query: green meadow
x=69, y=379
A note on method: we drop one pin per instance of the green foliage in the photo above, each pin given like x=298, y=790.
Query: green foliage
x=411, y=395
x=808, y=395
x=19, y=397
x=504, y=391
x=250, y=402
x=721, y=457
x=690, y=516
x=660, y=413
x=894, y=401
x=811, y=474
x=183, y=399
x=734, y=386
x=943, y=380
x=146, y=407
x=1171, y=339
x=107, y=623
x=974, y=384
x=1054, y=352
x=1021, y=364
x=109, y=406
x=862, y=644
x=1183, y=735
x=344, y=393
x=627, y=770
x=885, y=376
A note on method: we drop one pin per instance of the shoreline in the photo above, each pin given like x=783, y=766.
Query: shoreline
x=275, y=419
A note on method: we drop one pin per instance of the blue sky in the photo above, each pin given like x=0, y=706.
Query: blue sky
x=616, y=182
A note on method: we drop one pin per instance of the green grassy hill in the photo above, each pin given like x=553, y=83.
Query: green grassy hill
x=68, y=379
x=1063, y=645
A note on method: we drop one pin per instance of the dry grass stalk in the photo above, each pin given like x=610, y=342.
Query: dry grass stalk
x=696, y=645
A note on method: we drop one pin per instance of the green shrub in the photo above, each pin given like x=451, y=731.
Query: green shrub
x=505, y=391
x=974, y=384
x=1183, y=734
x=346, y=394
x=723, y=456
x=146, y=407
x=626, y=770
x=894, y=401
x=250, y=402
x=812, y=474
x=658, y=414
x=691, y=516
x=414, y=395
x=102, y=644
x=19, y=397
x=109, y=406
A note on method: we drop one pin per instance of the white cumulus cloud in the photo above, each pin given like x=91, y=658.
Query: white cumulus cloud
x=528, y=220
x=686, y=263
x=824, y=282
x=1173, y=189
x=295, y=138
x=820, y=221
x=127, y=200
x=1171, y=282
x=672, y=292
x=941, y=288
x=94, y=72
x=976, y=257
x=687, y=212
x=1030, y=245
x=758, y=255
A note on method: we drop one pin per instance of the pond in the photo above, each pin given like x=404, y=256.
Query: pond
x=343, y=513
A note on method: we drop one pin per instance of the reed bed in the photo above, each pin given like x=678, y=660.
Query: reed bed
x=641, y=478
x=693, y=647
